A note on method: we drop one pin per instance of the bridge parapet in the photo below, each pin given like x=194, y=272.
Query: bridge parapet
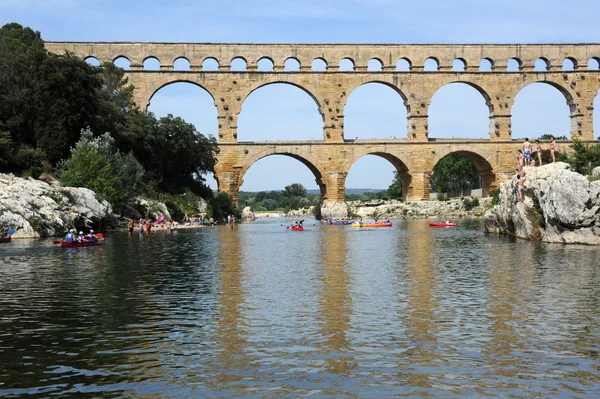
x=387, y=55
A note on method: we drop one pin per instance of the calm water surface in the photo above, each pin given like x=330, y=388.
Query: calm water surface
x=259, y=311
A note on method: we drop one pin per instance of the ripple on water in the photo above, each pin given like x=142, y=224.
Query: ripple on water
x=332, y=311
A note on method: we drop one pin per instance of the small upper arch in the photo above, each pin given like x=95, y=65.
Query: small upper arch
x=459, y=64
x=593, y=64
x=181, y=64
x=541, y=64
x=122, y=62
x=238, y=64
x=431, y=64
x=151, y=63
x=291, y=64
x=265, y=64
x=403, y=64
x=486, y=65
x=514, y=64
x=91, y=60
x=346, y=64
x=210, y=64
x=569, y=64
x=319, y=64
x=375, y=64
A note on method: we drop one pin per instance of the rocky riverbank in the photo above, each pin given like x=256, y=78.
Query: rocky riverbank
x=36, y=208
x=559, y=206
x=452, y=208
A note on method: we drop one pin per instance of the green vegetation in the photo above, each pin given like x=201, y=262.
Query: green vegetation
x=495, y=194
x=96, y=163
x=453, y=175
x=470, y=203
x=394, y=191
x=585, y=157
x=293, y=196
x=48, y=100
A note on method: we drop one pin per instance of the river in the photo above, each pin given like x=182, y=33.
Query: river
x=332, y=311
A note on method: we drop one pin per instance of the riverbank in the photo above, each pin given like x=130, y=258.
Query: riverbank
x=36, y=208
x=464, y=207
x=559, y=206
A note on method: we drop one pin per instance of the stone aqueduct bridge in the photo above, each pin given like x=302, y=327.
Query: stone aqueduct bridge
x=331, y=158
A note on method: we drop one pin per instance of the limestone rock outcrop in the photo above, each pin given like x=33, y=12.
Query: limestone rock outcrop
x=596, y=173
x=247, y=214
x=35, y=208
x=559, y=206
x=330, y=209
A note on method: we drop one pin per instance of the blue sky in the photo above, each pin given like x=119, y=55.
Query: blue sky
x=280, y=111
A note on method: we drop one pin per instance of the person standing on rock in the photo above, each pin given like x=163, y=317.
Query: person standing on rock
x=552, y=148
x=521, y=186
x=527, y=151
x=538, y=150
x=520, y=158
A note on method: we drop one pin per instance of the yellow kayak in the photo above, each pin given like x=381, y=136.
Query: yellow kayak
x=372, y=224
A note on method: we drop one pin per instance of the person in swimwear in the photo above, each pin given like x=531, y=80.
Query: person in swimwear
x=538, y=149
x=527, y=151
x=520, y=162
x=520, y=186
x=552, y=148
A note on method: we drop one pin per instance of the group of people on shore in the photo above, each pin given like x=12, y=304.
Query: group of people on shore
x=526, y=157
x=71, y=236
x=147, y=225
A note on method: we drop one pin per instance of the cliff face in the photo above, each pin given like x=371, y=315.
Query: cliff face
x=38, y=209
x=559, y=206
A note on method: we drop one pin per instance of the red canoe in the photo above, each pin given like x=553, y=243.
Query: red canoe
x=297, y=228
x=65, y=244
x=448, y=224
x=5, y=239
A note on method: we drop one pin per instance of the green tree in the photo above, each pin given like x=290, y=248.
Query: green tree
x=45, y=99
x=585, y=157
x=294, y=190
x=394, y=191
x=549, y=137
x=454, y=174
x=96, y=164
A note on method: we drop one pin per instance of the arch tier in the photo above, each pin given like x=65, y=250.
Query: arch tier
x=331, y=162
x=330, y=159
x=330, y=91
x=360, y=54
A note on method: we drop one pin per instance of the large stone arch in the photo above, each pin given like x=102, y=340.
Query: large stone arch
x=358, y=81
x=569, y=93
x=254, y=158
x=143, y=97
x=479, y=87
x=259, y=85
x=399, y=162
x=484, y=163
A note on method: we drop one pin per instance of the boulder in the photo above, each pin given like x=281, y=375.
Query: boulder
x=247, y=214
x=330, y=209
x=596, y=172
x=37, y=209
x=154, y=208
x=559, y=206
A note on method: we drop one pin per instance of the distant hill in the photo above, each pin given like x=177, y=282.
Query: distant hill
x=357, y=191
